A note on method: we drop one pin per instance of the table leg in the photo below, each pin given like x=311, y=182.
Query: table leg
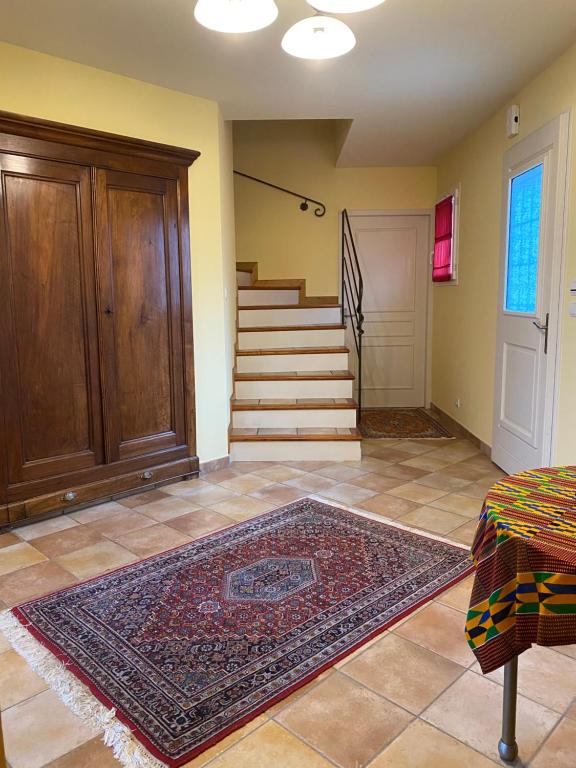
x=507, y=747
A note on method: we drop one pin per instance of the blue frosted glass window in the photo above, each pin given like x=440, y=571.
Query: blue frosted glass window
x=524, y=241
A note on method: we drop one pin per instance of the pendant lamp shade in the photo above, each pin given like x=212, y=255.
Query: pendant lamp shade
x=235, y=15
x=318, y=37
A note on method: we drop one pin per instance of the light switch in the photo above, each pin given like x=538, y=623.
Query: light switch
x=573, y=287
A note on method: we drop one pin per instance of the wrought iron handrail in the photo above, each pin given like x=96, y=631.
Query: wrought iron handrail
x=352, y=294
x=320, y=209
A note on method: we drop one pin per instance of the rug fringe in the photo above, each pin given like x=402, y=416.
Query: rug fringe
x=77, y=696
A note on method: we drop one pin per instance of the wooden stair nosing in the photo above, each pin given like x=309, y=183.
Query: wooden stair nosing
x=250, y=307
x=293, y=351
x=241, y=405
x=276, y=328
x=353, y=435
x=286, y=376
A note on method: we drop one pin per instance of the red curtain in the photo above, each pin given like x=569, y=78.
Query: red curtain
x=442, y=270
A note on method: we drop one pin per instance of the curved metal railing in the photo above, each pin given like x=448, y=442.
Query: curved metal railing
x=352, y=294
x=320, y=209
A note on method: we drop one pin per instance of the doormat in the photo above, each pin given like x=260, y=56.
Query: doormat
x=398, y=423
x=171, y=654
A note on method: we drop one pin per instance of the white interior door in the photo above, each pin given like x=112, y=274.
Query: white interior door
x=534, y=198
x=393, y=251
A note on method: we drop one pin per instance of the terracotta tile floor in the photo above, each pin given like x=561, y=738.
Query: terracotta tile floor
x=411, y=698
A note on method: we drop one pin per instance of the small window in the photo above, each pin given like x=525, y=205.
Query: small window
x=443, y=270
x=525, y=208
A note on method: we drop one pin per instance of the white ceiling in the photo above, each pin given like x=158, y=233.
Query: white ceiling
x=423, y=74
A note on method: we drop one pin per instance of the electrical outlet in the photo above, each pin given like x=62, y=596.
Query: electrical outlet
x=458, y=403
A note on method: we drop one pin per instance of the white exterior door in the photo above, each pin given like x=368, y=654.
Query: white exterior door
x=528, y=310
x=394, y=251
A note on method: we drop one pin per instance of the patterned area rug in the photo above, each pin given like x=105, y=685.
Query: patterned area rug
x=397, y=423
x=170, y=654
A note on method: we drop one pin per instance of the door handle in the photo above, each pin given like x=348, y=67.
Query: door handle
x=545, y=329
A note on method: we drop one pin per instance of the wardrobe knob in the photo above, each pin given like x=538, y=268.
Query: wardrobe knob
x=147, y=475
x=70, y=496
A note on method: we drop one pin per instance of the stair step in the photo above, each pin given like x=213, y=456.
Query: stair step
x=291, y=435
x=314, y=412
x=292, y=337
x=315, y=445
x=316, y=403
x=293, y=351
x=332, y=358
x=288, y=316
x=260, y=296
x=295, y=376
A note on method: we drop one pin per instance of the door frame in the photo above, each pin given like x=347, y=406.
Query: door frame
x=521, y=153
x=429, y=212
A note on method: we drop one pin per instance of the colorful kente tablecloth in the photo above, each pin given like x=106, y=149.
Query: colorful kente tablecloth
x=524, y=553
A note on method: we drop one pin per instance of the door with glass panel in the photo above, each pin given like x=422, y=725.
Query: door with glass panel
x=528, y=311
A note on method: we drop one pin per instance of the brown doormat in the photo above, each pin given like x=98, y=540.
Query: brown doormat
x=397, y=423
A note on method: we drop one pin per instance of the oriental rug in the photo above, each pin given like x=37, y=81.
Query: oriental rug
x=399, y=423
x=170, y=654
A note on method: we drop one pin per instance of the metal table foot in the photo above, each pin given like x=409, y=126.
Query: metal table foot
x=507, y=746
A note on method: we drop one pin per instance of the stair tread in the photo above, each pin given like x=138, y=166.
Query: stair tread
x=295, y=376
x=301, y=433
x=292, y=351
x=276, y=328
x=305, y=404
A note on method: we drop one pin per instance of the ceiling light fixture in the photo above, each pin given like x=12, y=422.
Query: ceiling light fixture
x=235, y=15
x=318, y=37
x=343, y=6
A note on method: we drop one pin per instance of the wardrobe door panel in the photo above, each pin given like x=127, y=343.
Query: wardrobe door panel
x=139, y=269
x=50, y=377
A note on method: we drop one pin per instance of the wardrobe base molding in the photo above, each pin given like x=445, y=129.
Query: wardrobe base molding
x=69, y=499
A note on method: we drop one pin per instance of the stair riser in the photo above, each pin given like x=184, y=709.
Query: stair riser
x=273, y=296
x=339, y=418
x=243, y=278
x=260, y=318
x=296, y=450
x=293, y=389
x=290, y=339
x=282, y=363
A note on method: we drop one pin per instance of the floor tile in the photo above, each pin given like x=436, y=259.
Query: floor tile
x=426, y=463
x=251, y=466
x=17, y=680
x=318, y=717
x=199, y=523
x=99, y=512
x=96, y=559
x=277, y=493
x=403, y=472
x=403, y=672
x=225, y=743
x=219, y=475
x=421, y=494
x=369, y=464
x=62, y=542
x=151, y=541
x=559, y=750
x=92, y=754
x=41, y=579
x=348, y=493
x=465, y=533
x=459, y=596
x=271, y=746
x=461, y=505
x=340, y=473
x=7, y=539
x=567, y=650
x=184, y=487
x=168, y=508
x=443, y=482
x=18, y=556
x=54, y=728
x=280, y=473
x=388, y=506
x=242, y=507
x=392, y=455
x=376, y=482
x=305, y=466
x=311, y=483
x=440, y=629
x=432, y=519
x=471, y=710
x=139, y=499
x=210, y=494
x=545, y=677
x=115, y=526
x=423, y=746
x=246, y=483
x=44, y=527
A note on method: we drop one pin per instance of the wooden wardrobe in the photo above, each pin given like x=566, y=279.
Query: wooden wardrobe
x=96, y=350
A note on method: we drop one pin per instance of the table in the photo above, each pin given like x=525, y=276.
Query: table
x=524, y=590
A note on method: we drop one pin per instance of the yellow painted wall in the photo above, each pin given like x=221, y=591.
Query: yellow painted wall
x=43, y=86
x=464, y=331
x=301, y=155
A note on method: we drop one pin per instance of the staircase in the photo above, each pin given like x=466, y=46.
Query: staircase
x=293, y=390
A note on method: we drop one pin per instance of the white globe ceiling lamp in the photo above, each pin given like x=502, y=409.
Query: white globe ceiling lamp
x=235, y=15
x=318, y=37
x=344, y=6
